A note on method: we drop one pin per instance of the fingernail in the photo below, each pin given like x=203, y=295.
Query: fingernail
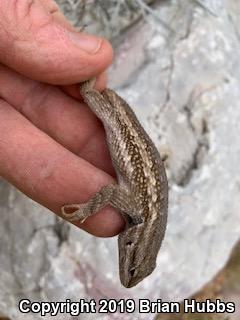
x=88, y=43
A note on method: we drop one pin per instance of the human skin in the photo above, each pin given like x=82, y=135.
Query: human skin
x=52, y=147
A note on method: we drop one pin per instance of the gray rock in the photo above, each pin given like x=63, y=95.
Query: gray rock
x=185, y=89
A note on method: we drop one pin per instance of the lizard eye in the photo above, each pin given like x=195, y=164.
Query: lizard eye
x=132, y=272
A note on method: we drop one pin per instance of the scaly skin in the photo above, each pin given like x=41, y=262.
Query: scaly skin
x=141, y=194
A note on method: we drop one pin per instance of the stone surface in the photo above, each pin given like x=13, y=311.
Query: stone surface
x=103, y=17
x=185, y=89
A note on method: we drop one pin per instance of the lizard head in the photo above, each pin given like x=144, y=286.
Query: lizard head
x=137, y=255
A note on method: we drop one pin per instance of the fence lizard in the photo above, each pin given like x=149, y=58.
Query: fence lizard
x=141, y=194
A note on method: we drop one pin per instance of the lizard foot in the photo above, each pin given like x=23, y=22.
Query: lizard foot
x=73, y=212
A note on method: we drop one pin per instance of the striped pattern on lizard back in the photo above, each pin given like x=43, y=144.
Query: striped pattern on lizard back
x=141, y=195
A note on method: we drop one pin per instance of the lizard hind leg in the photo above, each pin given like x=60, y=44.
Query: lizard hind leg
x=108, y=195
x=80, y=212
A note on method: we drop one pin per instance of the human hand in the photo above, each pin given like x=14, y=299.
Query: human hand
x=52, y=147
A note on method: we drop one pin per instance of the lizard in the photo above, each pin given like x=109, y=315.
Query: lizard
x=141, y=194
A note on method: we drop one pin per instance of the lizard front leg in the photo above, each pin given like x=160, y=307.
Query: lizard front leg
x=109, y=195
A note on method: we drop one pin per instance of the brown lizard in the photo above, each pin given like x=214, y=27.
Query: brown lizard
x=141, y=194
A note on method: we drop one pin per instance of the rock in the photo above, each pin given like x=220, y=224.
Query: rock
x=185, y=88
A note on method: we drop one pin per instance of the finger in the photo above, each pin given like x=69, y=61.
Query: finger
x=48, y=173
x=73, y=90
x=52, y=8
x=63, y=118
x=36, y=44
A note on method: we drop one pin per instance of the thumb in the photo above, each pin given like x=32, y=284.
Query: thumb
x=38, y=42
